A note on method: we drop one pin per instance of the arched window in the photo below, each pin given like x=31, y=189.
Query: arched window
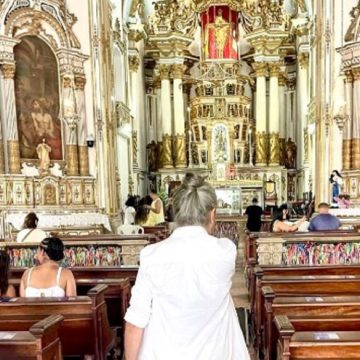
x=37, y=98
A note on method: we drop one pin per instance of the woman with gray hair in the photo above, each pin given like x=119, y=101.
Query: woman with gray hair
x=181, y=307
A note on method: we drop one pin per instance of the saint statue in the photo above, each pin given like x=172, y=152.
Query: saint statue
x=290, y=154
x=43, y=150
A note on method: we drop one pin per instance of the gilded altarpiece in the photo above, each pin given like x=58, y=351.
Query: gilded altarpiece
x=39, y=53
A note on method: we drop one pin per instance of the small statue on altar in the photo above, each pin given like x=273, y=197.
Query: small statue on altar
x=290, y=154
x=43, y=150
x=335, y=181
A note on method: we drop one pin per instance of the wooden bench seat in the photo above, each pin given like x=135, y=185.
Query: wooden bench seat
x=310, y=308
x=309, y=345
x=41, y=342
x=85, y=329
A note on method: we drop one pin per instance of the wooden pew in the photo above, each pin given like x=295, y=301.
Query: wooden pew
x=301, y=286
x=311, y=345
x=94, y=272
x=255, y=276
x=311, y=308
x=85, y=329
x=41, y=342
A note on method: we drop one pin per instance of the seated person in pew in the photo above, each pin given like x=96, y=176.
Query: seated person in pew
x=6, y=290
x=181, y=307
x=30, y=232
x=282, y=222
x=324, y=221
x=48, y=279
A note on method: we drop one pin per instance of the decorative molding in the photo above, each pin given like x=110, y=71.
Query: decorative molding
x=134, y=62
x=8, y=71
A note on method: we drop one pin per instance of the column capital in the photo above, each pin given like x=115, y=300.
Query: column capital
x=8, y=70
x=303, y=59
x=282, y=78
x=356, y=73
x=164, y=71
x=177, y=71
x=349, y=78
x=260, y=68
x=80, y=82
x=157, y=83
x=134, y=63
x=274, y=69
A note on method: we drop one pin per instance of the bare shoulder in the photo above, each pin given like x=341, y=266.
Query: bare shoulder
x=11, y=292
x=67, y=273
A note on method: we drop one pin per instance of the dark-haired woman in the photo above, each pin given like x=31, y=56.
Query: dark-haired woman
x=48, y=279
x=30, y=233
x=6, y=290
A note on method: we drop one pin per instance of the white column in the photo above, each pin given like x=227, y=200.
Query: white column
x=134, y=63
x=179, y=117
x=82, y=126
x=282, y=118
x=166, y=153
x=159, y=132
x=347, y=132
x=355, y=144
x=274, y=124
x=11, y=130
x=261, y=135
x=303, y=98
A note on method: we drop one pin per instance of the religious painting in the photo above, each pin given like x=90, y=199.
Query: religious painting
x=220, y=33
x=37, y=98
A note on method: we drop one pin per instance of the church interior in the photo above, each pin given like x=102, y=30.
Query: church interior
x=103, y=102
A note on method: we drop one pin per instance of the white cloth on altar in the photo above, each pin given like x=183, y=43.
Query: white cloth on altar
x=345, y=212
x=61, y=220
x=182, y=299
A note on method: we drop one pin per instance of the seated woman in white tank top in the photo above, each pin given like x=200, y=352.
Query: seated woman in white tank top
x=48, y=279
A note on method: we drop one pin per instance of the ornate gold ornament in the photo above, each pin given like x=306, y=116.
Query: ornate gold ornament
x=135, y=147
x=356, y=73
x=306, y=144
x=166, y=153
x=263, y=14
x=349, y=78
x=164, y=71
x=134, y=62
x=303, y=59
x=355, y=154
x=14, y=156
x=177, y=71
x=180, y=151
x=84, y=160
x=261, y=148
x=274, y=69
x=8, y=71
x=346, y=158
x=261, y=69
x=274, y=153
x=72, y=161
x=173, y=16
x=2, y=159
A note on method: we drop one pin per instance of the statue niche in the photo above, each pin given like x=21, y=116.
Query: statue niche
x=37, y=98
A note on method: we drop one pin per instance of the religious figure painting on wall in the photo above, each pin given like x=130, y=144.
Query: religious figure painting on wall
x=37, y=98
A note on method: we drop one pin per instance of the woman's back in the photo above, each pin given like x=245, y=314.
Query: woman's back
x=44, y=282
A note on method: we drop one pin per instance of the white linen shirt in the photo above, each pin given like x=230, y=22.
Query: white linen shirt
x=181, y=297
